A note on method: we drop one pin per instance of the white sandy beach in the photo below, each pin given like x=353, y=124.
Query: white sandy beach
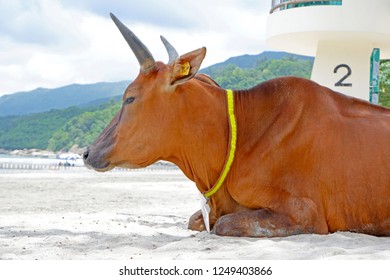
x=81, y=214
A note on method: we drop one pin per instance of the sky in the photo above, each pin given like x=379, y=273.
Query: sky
x=52, y=43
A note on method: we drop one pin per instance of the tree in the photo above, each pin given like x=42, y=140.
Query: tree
x=83, y=129
x=234, y=77
x=384, y=83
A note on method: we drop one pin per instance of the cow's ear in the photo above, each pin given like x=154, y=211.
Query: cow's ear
x=186, y=66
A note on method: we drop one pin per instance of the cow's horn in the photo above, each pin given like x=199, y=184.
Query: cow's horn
x=171, y=50
x=144, y=57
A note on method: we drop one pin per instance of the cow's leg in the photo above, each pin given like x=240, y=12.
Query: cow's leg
x=256, y=223
x=268, y=223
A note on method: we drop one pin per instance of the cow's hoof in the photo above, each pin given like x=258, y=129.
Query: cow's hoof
x=196, y=222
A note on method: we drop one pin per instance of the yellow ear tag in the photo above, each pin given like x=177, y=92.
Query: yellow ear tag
x=185, y=69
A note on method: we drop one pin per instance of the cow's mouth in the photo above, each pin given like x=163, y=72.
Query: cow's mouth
x=96, y=163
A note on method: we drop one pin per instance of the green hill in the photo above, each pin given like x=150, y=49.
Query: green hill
x=84, y=128
x=33, y=131
x=249, y=70
x=57, y=129
x=250, y=61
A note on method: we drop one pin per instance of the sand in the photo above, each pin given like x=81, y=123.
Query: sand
x=80, y=214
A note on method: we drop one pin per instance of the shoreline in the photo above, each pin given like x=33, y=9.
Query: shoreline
x=38, y=162
x=30, y=153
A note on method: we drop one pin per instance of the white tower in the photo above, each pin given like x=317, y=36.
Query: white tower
x=341, y=35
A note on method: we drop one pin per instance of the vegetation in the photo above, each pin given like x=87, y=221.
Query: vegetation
x=33, y=131
x=384, y=83
x=83, y=129
x=57, y=129
x=62, y=129
x=235, y=77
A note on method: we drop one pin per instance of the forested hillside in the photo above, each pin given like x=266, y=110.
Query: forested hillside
x=60, y=130
x=82, y=129
x=33, y=131
x=234, y=77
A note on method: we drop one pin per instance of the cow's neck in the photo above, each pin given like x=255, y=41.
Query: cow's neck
x=203, y=136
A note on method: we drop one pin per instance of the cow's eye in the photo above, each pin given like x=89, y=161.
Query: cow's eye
x=129, y=100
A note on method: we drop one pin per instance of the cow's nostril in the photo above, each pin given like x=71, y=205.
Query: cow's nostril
x=85, y=155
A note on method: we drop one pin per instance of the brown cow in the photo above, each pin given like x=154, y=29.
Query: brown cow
x=308, y=159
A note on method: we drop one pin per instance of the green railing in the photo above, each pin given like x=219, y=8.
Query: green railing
x=279, y=5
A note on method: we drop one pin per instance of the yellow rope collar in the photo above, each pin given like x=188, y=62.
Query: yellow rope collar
x=232, y=145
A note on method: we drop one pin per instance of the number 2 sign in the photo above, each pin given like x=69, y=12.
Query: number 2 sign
x=341, y=82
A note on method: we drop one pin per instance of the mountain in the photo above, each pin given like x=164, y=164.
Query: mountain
x=250, y=61
x=95, y=105
x=247, y=71
x=43, y=99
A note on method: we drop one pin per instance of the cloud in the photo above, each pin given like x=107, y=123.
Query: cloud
x=153, y=12
x=35, y=22
x=83, y=58
x=49, y=43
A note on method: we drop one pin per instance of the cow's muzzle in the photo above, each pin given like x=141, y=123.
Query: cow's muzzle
x=92, y=160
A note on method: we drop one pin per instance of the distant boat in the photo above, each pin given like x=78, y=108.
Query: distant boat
x=69, y=156
x=69, y=160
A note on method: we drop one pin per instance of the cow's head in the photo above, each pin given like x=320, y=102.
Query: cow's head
x=144, y=128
